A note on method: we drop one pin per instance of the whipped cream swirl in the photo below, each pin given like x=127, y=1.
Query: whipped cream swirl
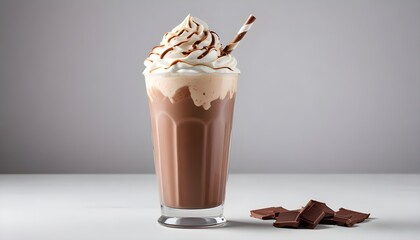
x=190, y=48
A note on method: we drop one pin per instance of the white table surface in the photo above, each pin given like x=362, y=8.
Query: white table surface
x=127, y=207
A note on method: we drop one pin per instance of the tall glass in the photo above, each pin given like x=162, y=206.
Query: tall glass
x=191, y=116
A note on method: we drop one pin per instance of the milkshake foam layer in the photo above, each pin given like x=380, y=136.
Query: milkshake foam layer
x=203, y=88
x=190, y=48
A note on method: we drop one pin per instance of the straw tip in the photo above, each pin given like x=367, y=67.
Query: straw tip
x=251, y=18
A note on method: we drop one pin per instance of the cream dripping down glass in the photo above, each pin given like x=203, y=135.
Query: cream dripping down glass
x=191, y=85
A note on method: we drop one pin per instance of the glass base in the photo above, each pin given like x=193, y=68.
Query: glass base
x=192, y=218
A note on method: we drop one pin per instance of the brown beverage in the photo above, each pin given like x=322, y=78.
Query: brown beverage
x=191, y=85
x=191, y=144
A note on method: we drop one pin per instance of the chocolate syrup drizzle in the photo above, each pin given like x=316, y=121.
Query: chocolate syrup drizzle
x=198, y=64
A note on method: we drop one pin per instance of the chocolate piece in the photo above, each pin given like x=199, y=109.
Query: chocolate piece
x=343, y=220
x=287, y=219
x=328, y=221
x=328, y=211
x=267, y=213
x=311, y=215
x=356, y=217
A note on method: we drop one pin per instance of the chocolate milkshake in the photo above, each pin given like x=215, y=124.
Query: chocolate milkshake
x=191, y=144
x=191, y=85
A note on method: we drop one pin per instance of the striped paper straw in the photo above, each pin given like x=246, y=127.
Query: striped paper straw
x=244, y=29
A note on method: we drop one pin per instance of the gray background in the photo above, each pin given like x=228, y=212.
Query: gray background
x=326, y=86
